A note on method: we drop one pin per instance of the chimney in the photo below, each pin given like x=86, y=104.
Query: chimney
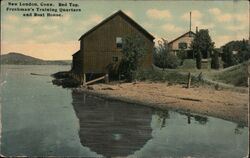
x=197, y=29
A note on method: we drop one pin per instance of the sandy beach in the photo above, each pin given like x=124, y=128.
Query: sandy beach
x=225, y=104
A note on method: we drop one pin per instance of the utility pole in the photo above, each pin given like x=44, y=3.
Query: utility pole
x=190, y=24
x=249, y=21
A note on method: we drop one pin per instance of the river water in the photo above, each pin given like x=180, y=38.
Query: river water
x=41, y=119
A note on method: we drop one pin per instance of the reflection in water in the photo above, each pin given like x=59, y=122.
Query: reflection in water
x=163, y=115
x=200, y=119
x=111, y=128
x=238, y=128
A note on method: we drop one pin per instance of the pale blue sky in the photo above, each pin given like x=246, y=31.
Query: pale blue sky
x=57, y=38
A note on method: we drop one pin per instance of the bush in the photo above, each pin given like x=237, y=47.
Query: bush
x=133, y=50
x=163, y=56
x=182, y=55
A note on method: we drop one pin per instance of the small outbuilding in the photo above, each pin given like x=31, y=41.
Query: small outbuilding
x=182, y=44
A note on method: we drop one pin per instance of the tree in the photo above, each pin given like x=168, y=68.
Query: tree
x=202, y=42
x=198, y=59
x=235, y=52
x=215, y=60
x=133, y=50
x=163, y=57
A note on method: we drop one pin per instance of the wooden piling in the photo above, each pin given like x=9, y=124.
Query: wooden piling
x=107, y=78
x=84, y=79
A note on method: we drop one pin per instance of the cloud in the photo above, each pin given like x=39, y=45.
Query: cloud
x=201, y=25
x=147, y=25
x=242, y=18
x=197, y=20
x=50, y=27
x=34, y=20
x=229, y=17
x=129, y=13
x=12, y=18
x=90, y=22
x=159, y=14
x=45, y=38
x=26, y=30
x=223, y=39
x=235, y=28
x=7, y=27
x=49, y=51
x=172, y=28
x=224, y=17
x=64, y=19
x=214, y=11
x=196, y=15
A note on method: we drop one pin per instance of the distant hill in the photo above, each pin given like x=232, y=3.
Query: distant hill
x=21, y=59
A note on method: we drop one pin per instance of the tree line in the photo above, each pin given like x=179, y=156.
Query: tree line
x=133, y=50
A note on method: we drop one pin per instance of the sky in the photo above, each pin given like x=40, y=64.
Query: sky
x=56, y=38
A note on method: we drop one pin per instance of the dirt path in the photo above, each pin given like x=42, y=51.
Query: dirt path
x=224, y=104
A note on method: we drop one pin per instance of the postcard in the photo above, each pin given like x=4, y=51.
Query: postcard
x=136, y=79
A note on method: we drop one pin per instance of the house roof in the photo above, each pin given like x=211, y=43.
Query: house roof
x=182, y=36
x=124, y=16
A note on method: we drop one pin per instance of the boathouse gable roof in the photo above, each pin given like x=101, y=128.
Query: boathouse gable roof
x=125, y=17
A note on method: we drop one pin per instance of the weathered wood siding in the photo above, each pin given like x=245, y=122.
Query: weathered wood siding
x=99, y=46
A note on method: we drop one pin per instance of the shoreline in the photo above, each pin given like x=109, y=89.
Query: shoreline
x=235, y=111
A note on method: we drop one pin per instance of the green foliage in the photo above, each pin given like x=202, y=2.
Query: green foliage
x=215, y=60
x=163, y=57
x=133, y=51
x=202, y=42
x=235, y=52
x=198, y=59
x=182, y=55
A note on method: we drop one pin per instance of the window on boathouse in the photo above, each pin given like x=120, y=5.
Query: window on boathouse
x=118, y=42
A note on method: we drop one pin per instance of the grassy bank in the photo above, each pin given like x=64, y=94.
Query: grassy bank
x=233, y=78
x=169, y=76
x=235, y=75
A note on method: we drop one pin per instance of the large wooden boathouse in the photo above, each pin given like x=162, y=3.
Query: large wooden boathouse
x=102, y=45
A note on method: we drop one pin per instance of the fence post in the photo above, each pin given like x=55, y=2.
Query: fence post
x=189, y=80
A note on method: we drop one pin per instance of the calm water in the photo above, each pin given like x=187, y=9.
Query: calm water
x=40, y=119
